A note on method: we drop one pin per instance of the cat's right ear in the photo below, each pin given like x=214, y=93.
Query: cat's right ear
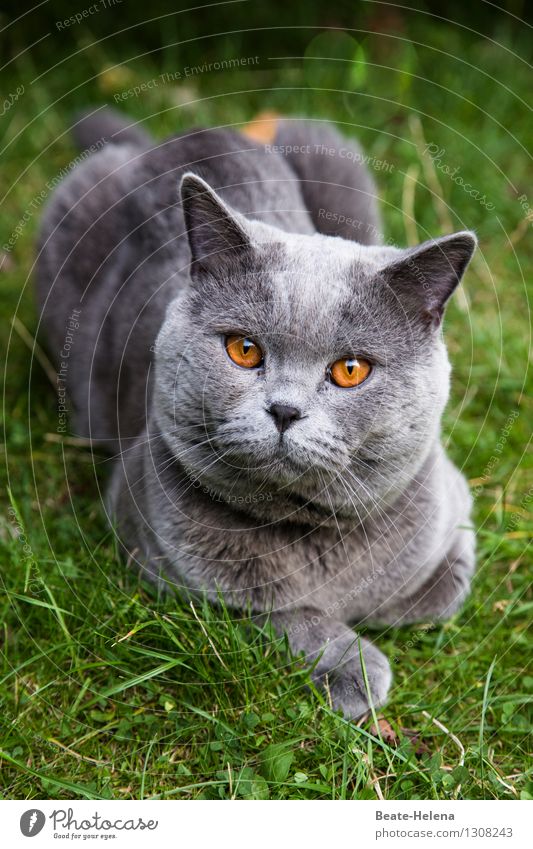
x=218, y=236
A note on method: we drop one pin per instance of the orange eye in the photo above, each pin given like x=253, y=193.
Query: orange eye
x=244, y=352
x=350, y=372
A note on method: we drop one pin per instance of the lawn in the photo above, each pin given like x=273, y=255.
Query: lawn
x=108, y=692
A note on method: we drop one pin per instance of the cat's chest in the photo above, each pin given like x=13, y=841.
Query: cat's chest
x=279, y=566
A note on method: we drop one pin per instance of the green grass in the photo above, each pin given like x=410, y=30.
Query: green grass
x=108, y=692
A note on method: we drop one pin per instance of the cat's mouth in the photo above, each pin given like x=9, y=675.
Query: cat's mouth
x=253, y=475
x=300, y=465
x=293, y=462
x=278, y=456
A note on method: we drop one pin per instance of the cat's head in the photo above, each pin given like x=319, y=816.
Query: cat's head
x=299, y=374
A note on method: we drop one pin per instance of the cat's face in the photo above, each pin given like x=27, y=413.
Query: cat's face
x=303, y=373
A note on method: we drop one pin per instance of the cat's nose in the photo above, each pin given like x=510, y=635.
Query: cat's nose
x=284, y=415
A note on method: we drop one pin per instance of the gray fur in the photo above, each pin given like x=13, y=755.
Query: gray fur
x=354, y=514
x=332, y=178
x=102, y=125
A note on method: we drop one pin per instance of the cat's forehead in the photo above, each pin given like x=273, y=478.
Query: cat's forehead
x=301, y=293
x=318, y=274
x=328, y=261
x=316, y=289
x=325, y=252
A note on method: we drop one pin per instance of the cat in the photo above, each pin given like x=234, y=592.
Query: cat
x=270, y=379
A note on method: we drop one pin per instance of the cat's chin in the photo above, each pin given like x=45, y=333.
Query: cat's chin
x=290, y=496
x=267, y=508
x=282, y=462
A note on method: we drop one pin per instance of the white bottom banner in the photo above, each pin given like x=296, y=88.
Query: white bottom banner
x=265, y=824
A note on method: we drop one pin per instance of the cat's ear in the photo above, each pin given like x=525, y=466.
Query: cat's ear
x=425, y=276
x=218, y=236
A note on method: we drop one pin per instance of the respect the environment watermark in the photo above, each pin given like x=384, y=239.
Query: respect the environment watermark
x=38, y=200
x=186, y=73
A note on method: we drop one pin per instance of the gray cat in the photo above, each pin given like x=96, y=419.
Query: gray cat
x=269, y=378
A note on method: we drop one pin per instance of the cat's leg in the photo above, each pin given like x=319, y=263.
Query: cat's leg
x=339, y=193
x=442, y=595
x=338, y=650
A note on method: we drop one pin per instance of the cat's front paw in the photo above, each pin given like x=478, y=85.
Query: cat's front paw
x=347, y=687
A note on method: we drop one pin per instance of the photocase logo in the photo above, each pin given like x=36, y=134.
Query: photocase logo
x=32, y=822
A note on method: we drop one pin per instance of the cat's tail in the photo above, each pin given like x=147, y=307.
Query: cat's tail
x=102, y=125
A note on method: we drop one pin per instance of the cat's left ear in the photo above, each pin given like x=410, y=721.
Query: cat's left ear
x=218, y=235
x=425, y=276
